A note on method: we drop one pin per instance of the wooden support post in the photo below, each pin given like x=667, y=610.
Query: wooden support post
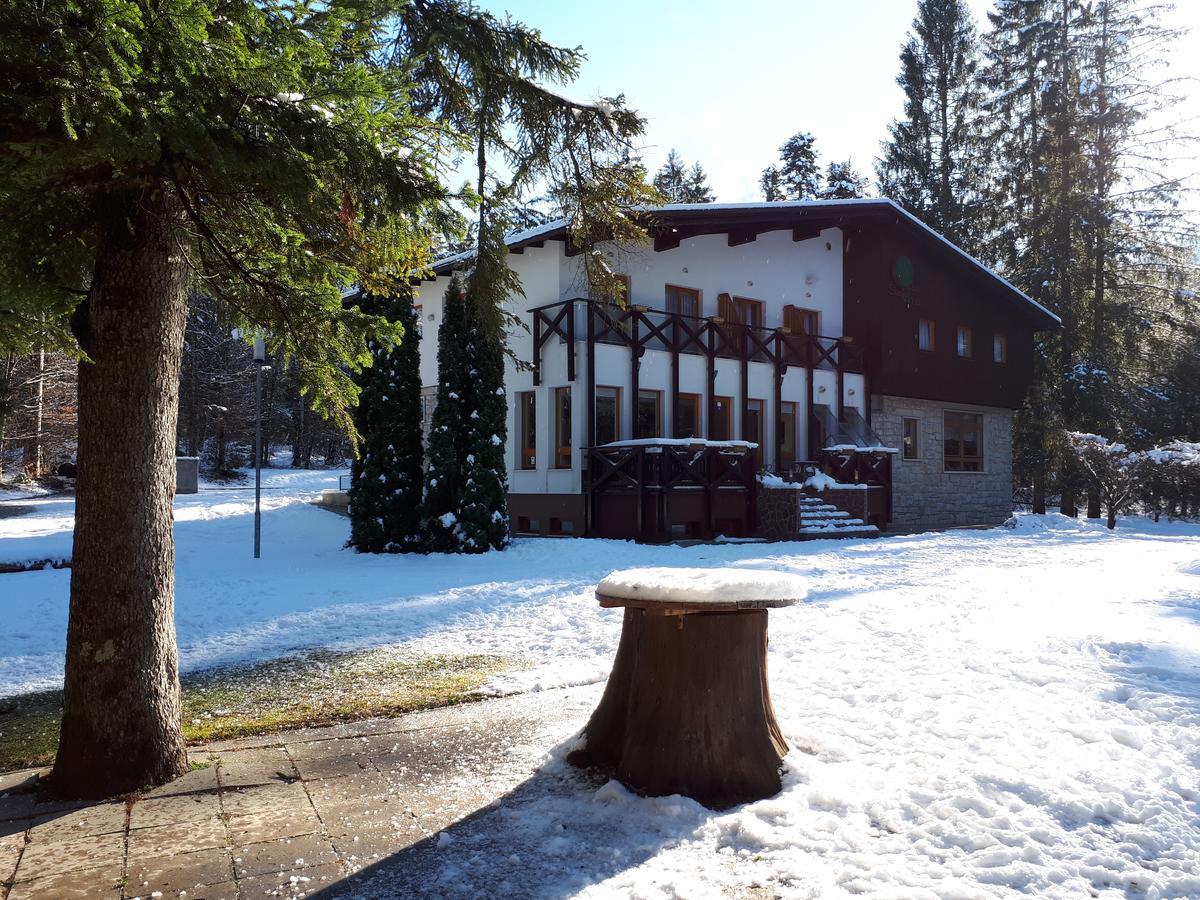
x=537, y=348
x=571, y=341
x=591, y=375
x=810, y=437
x=744, y=378
x=635, y=362
x=673, y=431
x=777, y=400
x=711, y=359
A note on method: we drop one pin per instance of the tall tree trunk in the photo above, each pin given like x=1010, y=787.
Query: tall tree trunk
x=1039, y=489
x=39, y=418
x=121, y=726
x=1093, y=500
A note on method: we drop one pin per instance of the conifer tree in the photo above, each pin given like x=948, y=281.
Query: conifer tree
x=442, y=506
x=680, y=184
x=387, y=477
x=798, y=171
x=771, y=184
x=842, y=182
x=930, y=162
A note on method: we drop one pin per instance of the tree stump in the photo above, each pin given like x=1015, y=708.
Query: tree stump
x=687, y=708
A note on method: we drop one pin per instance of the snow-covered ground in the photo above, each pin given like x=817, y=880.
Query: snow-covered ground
x=971, y=714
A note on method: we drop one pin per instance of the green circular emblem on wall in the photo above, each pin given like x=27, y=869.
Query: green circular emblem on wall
x=902, y=271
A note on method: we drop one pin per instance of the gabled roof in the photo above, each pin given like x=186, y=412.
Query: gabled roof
x=672, y=223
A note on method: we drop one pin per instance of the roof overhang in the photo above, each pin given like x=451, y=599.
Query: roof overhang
x=668, y=226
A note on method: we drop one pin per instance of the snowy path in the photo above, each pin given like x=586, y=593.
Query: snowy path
x=970, y=714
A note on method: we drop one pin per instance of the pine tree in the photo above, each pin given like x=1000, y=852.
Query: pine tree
x=387, y=477
x=483, y=511
x=798, y=172
x=697, y=189
x=671, y=178
x=680, y=184
x=771, y=184
x=442, y=506
x=842, y=182
x=930, y=163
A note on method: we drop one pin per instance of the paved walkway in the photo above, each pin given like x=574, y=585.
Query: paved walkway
x=292, y=815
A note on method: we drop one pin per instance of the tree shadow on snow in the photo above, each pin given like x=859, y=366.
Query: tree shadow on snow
x=557, y=833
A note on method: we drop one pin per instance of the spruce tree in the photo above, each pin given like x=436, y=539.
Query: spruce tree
x=680, y=184
x=930, y=162
x=442, y=506
x=387, y=477
x=771, y=184
x=483, y=509
x=798, y=171
x=842, y=182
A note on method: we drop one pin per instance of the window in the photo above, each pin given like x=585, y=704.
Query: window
x=801, y=321
x=999, y=349
x=683, y=301
x=926, y=335
x=788, y=421
x=649, y=414
x=964, y=342
x=962, y=439
x=749, y=312
x=562, y=428
x=687, y=416
x=720, y=428
x=608, y=415
x=910, y=447
x=527, y=428
x=752, y=425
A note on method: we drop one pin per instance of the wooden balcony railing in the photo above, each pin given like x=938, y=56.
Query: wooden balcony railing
x=643, y=329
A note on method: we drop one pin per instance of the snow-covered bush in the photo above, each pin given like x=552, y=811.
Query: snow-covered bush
x=1111, y=468
x=1170, y=477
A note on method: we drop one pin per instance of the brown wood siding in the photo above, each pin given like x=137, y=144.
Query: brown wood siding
x=883, y=317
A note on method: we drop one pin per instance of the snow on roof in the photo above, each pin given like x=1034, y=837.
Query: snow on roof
x=881, y=203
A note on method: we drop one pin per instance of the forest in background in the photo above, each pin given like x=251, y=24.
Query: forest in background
x=1043, y=143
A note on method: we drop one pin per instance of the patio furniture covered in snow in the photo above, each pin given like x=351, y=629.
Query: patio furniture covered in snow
x=687, y=709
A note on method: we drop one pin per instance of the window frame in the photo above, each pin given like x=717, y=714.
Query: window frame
x=698, y=404
x=1000, y=343
x=617, y=410
x=794, y=431
x=717, y=399
x=761, y=307
x=760, y=439
x=961, y=459
x=559, y=455
x=526, y=419
x=695, y=292
x=904, y=438
x=800, y=314
x=657, y=397
x=932, y=348
x=964, y=331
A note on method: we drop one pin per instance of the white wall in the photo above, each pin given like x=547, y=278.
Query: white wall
x=774, y=269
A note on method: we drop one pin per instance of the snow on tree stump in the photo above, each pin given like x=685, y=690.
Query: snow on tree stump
x=687, y=709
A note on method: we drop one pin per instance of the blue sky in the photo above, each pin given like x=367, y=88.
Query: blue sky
x=727, y=82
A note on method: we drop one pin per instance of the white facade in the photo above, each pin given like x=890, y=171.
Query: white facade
x=773, y=269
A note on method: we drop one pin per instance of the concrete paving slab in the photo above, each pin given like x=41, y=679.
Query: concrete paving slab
x=100, y=818
x=242, y=768
x=165, y=840
x=283, y=855
x=9, y=854
x=194, y=782
x=282, y=797
x=292, y=885
x=22, y=779
x=102, y=883
x=56, y=857
x=255, y=827
x=177, y=810
x=171, y=875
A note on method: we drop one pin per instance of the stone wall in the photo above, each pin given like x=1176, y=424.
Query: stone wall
x=924, y=495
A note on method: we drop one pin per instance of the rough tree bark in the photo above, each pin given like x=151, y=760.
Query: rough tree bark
x=121, y=725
